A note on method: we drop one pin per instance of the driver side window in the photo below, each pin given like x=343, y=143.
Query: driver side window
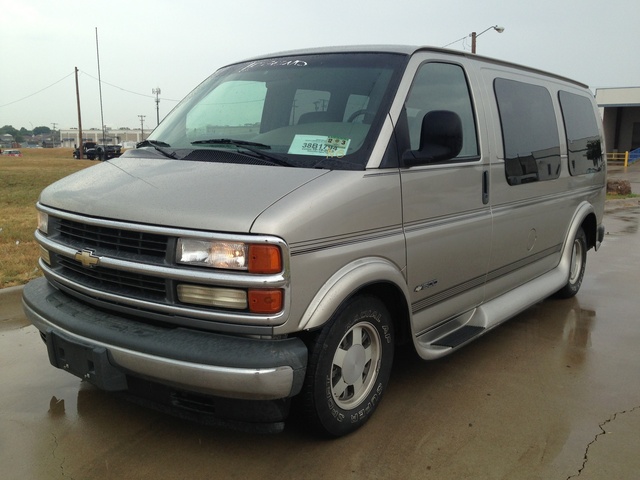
x=441, y=86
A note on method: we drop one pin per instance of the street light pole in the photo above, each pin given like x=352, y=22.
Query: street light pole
x=474, y=35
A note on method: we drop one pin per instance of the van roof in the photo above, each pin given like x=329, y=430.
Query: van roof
x=410, y=50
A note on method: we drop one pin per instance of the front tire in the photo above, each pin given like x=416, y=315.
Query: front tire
x=577, y=266
x=349, y=367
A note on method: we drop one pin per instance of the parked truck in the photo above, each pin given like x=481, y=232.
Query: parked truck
x=93, y=150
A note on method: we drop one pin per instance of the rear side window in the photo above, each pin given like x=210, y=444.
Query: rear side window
x=583, y=138
x=529, y=132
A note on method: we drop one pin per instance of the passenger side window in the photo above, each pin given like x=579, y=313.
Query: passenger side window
x=441, y=86
x=583, y=138
x=529, y=132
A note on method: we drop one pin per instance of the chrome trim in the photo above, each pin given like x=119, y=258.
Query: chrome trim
x=242, y=383
x=171, y=310
x=177, y=273
x=202, y=275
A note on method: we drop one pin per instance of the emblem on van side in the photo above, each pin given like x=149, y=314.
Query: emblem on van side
x=429, y=284
x=87, y=258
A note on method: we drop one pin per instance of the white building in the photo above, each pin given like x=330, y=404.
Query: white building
x=123, y=136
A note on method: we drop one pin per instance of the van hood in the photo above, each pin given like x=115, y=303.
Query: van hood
x=220, y=197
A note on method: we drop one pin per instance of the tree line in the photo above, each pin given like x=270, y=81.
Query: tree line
x=23, y=133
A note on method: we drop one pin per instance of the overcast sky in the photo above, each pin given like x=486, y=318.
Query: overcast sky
x=174, y=45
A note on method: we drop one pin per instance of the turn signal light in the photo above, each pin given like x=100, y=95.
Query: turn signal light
x=265, y=301
x=264, y=259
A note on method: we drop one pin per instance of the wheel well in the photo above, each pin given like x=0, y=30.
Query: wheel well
x=590, y=228
x=396, y=303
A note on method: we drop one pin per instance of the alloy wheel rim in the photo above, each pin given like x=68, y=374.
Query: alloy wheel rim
x=576, y=261
x=355, y=365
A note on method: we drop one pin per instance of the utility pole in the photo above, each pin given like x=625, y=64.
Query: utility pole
x=100, y=89
x=79, y=146
x=141, y=127
x=53, y=137
x=156, y=92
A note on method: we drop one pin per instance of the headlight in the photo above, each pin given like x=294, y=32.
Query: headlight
x=231, y=255
x=43, y=222
x=254, y=258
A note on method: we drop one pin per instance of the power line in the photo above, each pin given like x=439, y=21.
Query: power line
x=125, y=90
x=39, y=91
x=91, y=76
x=463, y=40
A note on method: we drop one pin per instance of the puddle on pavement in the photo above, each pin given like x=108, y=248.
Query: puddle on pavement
x=622, y=222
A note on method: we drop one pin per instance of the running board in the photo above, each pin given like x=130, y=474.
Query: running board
x=451, y=335
x=459, y=337
x=458, y=331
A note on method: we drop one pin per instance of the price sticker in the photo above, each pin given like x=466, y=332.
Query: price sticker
x=319, y=145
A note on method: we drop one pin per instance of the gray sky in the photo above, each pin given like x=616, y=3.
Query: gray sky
x=174, y=45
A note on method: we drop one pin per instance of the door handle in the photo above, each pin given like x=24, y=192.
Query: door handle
x=485, y=187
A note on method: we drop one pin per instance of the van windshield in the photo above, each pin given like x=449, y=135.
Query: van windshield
x=321, y=110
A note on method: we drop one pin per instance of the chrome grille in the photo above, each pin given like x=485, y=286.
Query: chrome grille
x=114, y=281
x=134, y=269
x=112, y=241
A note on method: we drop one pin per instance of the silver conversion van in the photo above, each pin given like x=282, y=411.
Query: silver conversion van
x=298, y=216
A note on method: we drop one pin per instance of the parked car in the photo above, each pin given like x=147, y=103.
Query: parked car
x=300, y=215
x=93, y=150
x=12, y=153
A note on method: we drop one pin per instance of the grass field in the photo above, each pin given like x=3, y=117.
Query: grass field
x=21, y=180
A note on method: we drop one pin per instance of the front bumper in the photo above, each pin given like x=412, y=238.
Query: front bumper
x=105, y=348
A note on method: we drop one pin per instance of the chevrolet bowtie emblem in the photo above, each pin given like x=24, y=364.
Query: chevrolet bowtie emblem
x=87, y=258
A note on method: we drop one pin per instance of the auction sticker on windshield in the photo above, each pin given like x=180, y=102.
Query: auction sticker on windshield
x=319, y=145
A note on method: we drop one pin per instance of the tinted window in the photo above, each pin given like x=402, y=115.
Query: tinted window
x=583, y=137
x=441, y=86
x=529, y=132
x=308, y=111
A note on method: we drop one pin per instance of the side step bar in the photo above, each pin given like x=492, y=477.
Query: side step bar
x=456, y=332
x=459, y=337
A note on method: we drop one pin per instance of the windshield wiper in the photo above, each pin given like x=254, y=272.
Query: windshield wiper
x=230, y=141
x=254, y=147
x=158, y=146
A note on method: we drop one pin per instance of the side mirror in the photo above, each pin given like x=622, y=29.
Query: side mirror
x=440, y=139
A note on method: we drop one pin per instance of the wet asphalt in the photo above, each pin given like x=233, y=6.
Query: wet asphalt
x=552, y=394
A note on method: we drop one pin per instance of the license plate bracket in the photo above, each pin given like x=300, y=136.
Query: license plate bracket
x=88, y=362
